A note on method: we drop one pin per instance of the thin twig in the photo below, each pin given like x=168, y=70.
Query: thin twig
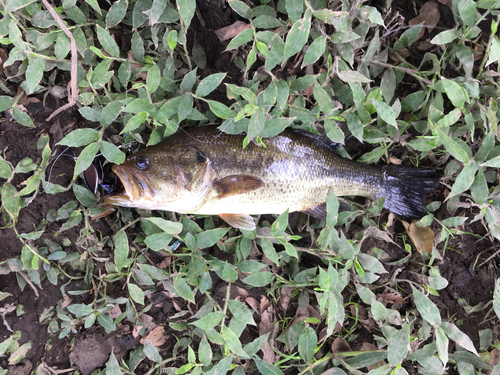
x=72, y=92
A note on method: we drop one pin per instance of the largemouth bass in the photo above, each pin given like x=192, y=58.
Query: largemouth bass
x=208, y=172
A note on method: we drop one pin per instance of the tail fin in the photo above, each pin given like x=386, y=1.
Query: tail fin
x=406, y=188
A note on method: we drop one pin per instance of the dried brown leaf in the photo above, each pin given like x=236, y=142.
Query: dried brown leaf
x=231, y=31
x=157, y=336
x=392, y=298
x=285, y=297
x=66, y=301
x=340, y=345
x=309, y=71
x=422, y=238
x=264, y=303
x=115, y=311
x=254, y=304
x=428, y=15
x=267, y=323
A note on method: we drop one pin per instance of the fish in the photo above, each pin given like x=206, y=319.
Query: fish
x=205, y=171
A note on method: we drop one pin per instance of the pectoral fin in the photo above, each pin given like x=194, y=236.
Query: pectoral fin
x=237, y=184
x=241, y=221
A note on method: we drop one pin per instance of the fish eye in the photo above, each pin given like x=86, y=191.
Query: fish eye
x=142, y=162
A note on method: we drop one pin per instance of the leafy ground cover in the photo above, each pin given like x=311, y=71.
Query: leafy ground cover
x=89, y=290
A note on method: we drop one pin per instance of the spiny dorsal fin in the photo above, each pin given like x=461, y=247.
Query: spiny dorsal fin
x=237, y=184
x=241, y=221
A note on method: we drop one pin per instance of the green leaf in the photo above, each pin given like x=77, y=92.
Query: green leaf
x=210, y=237
x=86, y=158
x=209, y=321
x=302, y=83
x=323, y=99
x=494, y=53
x=186, y=10
x=152, y=352
x=139, y=105
x=456, y=93
x=280, y=224
x=112, y=153
x=101, y=75
x=259, y=279
x=275, y=126
x=139, y=15
x=297, y=37
x=496, y=298
x=353, y=76
x=153, y=78
x=408, y=37
x=244, y=37
x=315, y=50
x=209, y=84
x=12, y=5
x=220, y=110
x=241, y=312
x=183, y=289
x=112, y=366
x=136, y=293
x=241, y=8
x=80, y=310
x=233, y=343
x=458, y=336
x=116, y=13
x=426, y=308
x=267, y=368
x=372, y=14
x=464, y=179
x=412, y=101
x=446, y=37
x=23, y=118
x=138, y=47
x=121, y=251
x=442, y=343
x=135, y=121
x=222, y=367
x=5, y=169
x=308, y=341
x=266, y=22
x=453, y=222
x=167, y=226
x=398, y=346
x=468, y=12
x=19, y=354
x=107, y=42
x=156, y=11
x=453, y=147
x=385, y=112
x=205, y=352
x=158, y=241
x=34, y=73
x=494, y=162
x=91, y=114
x=6, y=102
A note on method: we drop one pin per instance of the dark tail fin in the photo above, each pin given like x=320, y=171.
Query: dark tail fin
x=406, y=188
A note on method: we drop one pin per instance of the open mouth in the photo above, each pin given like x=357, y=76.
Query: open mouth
x=129, y=188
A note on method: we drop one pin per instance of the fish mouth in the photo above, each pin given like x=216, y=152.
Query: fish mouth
x=135, y=188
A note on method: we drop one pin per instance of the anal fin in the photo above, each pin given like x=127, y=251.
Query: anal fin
x=241, y=221
x=319, y=211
